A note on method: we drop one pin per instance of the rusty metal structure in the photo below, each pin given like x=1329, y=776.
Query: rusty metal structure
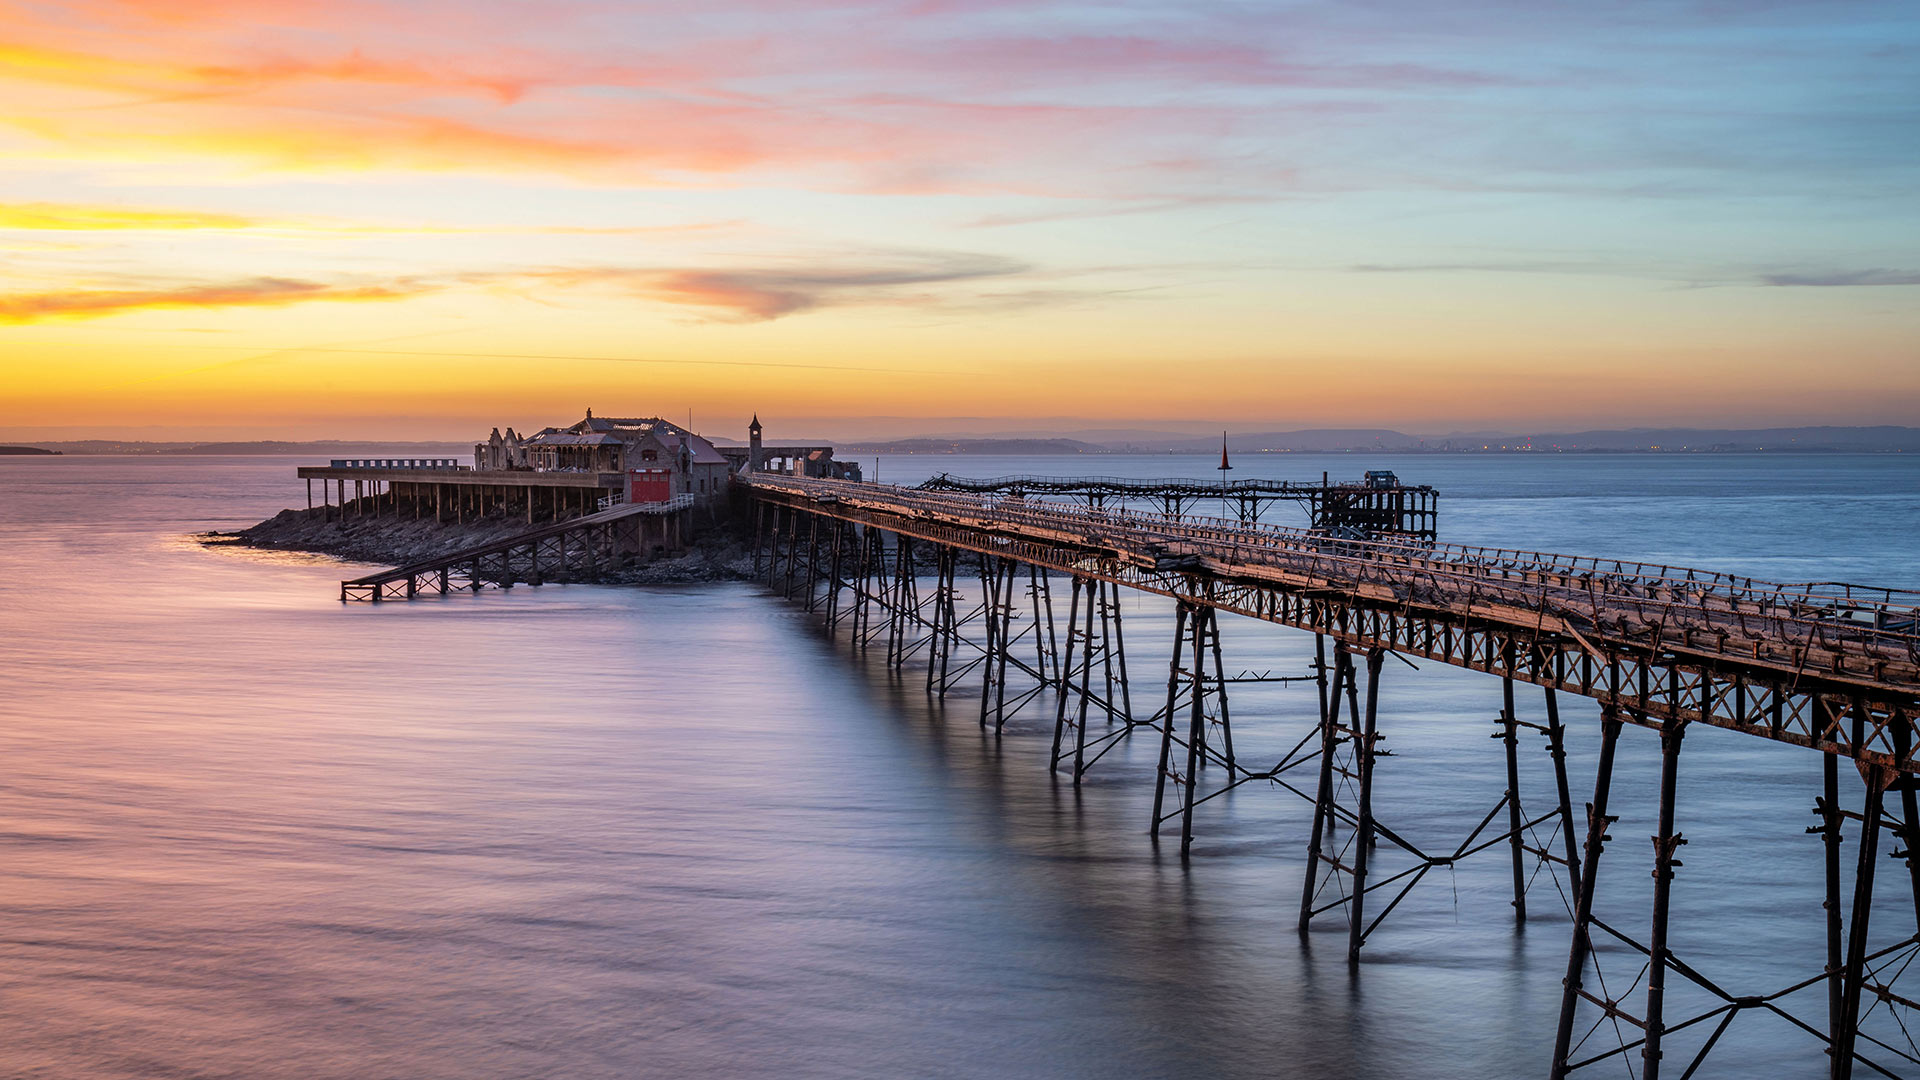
x=575, y=549
x=1379, y=507
x=1833, y=669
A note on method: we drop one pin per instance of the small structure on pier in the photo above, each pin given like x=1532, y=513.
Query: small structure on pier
x=815, y=462
x=1379, y=507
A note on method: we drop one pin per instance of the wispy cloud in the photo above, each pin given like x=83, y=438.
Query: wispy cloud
x=1835, y=279
x=759, y=294
x=733, y=294
x=1489, y=267
x=33, y=307
x=95, y=217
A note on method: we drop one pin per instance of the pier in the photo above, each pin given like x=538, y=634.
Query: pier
x=577, y=548
x=1831, y=669
x=454, y=493
x=1378, y=506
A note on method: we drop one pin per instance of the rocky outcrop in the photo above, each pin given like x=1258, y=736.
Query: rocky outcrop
x=389, y=541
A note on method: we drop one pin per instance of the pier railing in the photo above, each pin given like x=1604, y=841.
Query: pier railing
x=1651, y=589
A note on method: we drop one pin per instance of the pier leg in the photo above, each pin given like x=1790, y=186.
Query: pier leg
x=1828, y=809
x=1043, y=636
x=1060, y=700
x=863, y=595
x=793, y=551
x=1173, y=697
x=990, y=590
x=1557, y=750
x=953, y=616
x=773, y=547
x=813, y=560
x=1363, y=839
x=1510, y=736
x=1664, y=845
x=1096, y=591
x=1196, y=727
x=1323, y=800
x=1120, y=658
x=759, y=534
x=1597, y=822
x=838, y=540
x=943, y=619
x=1848, y=1030
x=1909, y=807
x=1006, y=645
x=1106, y=596
x=896, y=612
x=897, y=617
x=1220, y=680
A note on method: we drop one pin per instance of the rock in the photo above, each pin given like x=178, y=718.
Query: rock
x=387, y=541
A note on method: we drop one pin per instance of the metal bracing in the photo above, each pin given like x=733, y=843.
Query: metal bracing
x=1340, y=873
x=1869, y=1023
x=1821, y=667
x=579, y=549
x=1095, y=653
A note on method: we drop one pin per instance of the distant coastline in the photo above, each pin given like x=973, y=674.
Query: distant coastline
x=1801, y=440
x=27, y=451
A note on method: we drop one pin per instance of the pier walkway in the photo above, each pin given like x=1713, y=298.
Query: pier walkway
x=1831, y=668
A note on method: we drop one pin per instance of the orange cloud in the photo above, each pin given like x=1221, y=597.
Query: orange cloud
x=356, y=112
x=357, y=67
x=88, y=217
x=249, y=292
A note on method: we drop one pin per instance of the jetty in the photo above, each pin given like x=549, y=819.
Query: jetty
x=1830, y=669
x=961, y=578
x=574, y=549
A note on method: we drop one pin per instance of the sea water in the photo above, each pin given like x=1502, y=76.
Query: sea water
x=577, y=831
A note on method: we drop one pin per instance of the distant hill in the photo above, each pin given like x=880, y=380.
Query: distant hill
x=1320, y=439
x=24, y=451
x=1882, y=439
x=305, y=449
x=972, y=446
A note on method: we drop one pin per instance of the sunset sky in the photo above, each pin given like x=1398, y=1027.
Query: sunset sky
x=379, y=219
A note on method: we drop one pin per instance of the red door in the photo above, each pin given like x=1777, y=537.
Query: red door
x=649, y=485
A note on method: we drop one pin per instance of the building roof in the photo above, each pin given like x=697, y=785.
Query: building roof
x=568, y=438
x=613, y=431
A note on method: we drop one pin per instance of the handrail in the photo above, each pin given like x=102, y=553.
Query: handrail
x=1533, y=561
x=1721, y=603
x=1143, y=486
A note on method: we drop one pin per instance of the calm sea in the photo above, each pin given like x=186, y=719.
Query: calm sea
x=619, y=832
